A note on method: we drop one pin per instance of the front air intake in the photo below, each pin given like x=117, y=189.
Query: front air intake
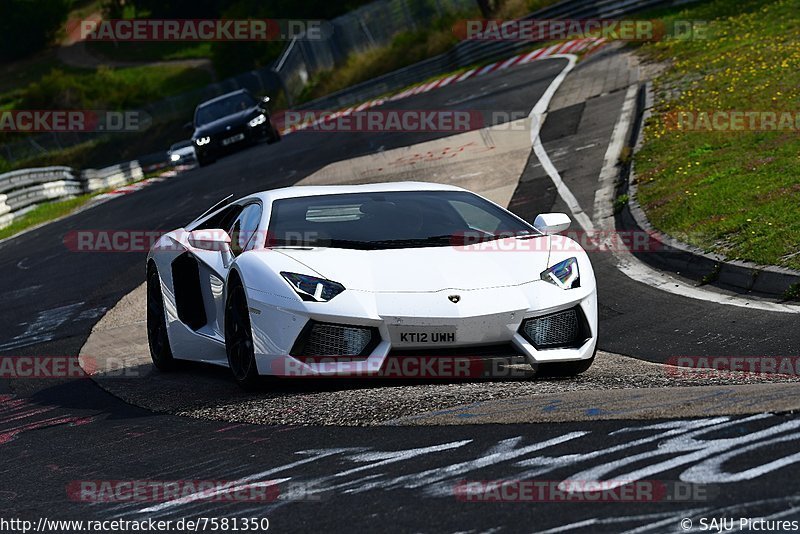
x=564, y=329
x=326, y=339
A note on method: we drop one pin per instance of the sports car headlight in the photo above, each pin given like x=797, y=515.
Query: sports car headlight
x=563, y=274
x=313, y=288
x=202, y=140
x=260, y=119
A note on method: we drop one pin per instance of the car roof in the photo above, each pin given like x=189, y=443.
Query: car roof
x=223, y=97
x=267, y=197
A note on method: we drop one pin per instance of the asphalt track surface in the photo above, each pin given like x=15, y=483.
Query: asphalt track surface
x=393, y=478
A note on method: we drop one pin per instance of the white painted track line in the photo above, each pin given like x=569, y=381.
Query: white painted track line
x=627, y=263
x=538, y=115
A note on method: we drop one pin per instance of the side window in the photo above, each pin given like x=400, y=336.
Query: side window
x=243, y=230
x=222, y=219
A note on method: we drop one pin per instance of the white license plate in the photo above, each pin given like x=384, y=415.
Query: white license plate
x=234, y=139
x=426, y=336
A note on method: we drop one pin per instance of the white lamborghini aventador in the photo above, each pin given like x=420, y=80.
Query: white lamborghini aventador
x=274, y=282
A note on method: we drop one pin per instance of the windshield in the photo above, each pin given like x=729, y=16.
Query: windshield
x=182, y=144
x=402, y=219
x=222, y=108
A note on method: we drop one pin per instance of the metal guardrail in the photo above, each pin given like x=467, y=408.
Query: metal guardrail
x=298, y=63
x=177, y=107
x=113, y=176
x=25, y=177
x=468, y=53
x=20, y=190
x=23, y=189
x=370, y=25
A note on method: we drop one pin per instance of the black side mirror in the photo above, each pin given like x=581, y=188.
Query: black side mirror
x=188, y=126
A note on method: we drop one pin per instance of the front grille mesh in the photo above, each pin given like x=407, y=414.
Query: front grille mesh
x=556, y=330
x=336, y=340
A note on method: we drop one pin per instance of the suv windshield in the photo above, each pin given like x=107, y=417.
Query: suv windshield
x=222, y=108
x=397, y=219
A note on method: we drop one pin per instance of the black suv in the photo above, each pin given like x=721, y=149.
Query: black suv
x=229, y=122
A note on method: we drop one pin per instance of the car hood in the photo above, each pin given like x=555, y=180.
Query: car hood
x=220, y=125
x=500, y=263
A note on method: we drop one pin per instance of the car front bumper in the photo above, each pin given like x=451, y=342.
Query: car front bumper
x=216, y=148
x=480, y=318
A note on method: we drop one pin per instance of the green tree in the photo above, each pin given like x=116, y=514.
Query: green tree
x=183, y=9
x=232, y=58
x=27, y=26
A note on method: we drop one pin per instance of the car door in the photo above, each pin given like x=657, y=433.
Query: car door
x=244, y=234
x=199, y=275
x=196, y=278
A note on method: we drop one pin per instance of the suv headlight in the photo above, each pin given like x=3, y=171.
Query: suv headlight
x=202, y=140
x=312, y=288
x=563, y=274
x=260, y=119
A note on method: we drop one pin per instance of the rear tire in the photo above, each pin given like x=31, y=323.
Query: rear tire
x=239, y=339
x=157, y=338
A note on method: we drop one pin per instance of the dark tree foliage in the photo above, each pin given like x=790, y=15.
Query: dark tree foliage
x=232, y=58
x=278, y=9
x=182, y=9
x=27, y=26
x=485, y=7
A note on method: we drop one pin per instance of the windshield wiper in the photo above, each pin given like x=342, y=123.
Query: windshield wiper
x=437, y=240
x=349, y=243
x=328, y=243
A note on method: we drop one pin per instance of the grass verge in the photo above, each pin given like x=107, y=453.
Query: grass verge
x=106, y=88
x=44, y=213
x=20, y=74
x=733, y=193
x=105, y=151
x=150, y=51
x=406, y=48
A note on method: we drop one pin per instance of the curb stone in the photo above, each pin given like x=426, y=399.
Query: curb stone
x=681, y=258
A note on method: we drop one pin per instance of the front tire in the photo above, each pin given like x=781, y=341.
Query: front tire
x=239, y=339
x=157, y=338
x=274, y=135
x=204, y=160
